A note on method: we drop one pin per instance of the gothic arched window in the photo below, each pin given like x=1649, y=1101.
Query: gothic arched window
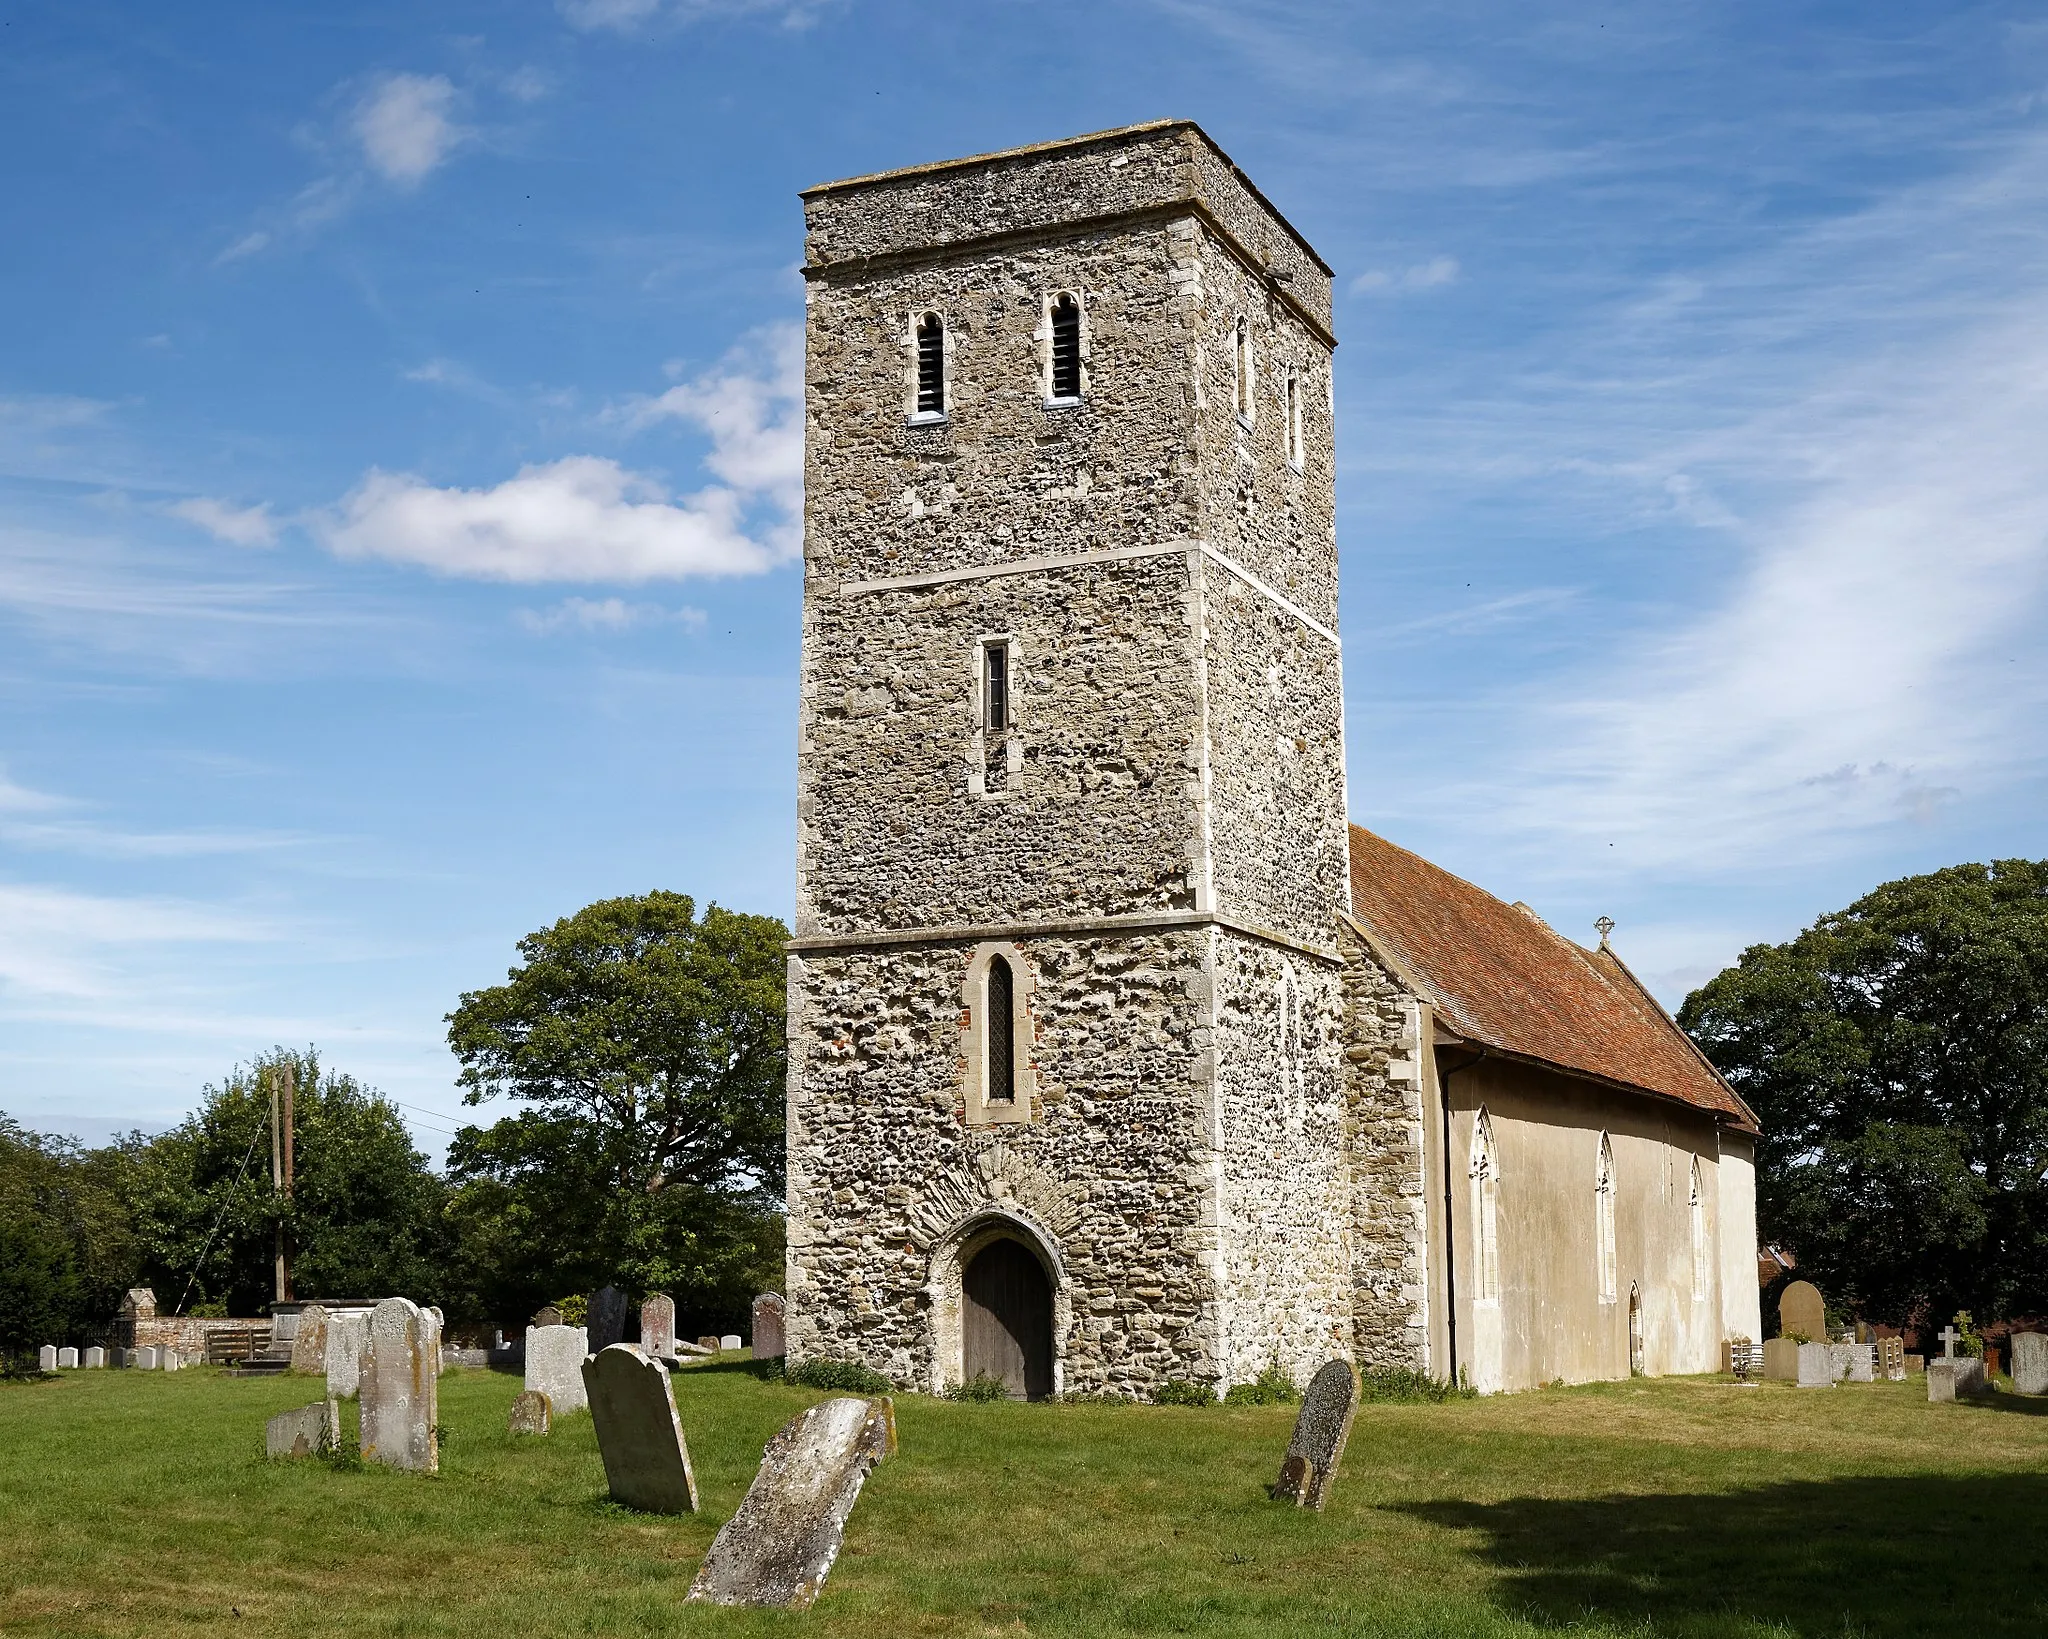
x=1698, y=1210
x=1605, y=1261
x=931, y=365
x=1002, y=1035
x=1485, y=1175
x=1066, y=348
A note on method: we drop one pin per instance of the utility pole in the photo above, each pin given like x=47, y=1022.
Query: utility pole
x=277, y=1170
x=291, y=1077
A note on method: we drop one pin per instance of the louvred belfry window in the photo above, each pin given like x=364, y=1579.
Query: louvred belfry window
x=1066, y=347
x=931, y=365
x=1002, y=1045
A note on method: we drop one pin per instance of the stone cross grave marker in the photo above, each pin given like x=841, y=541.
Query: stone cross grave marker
x=658, y=1326
x=302, y=1433
x=639, y=1435
x=531, y=1413
x=1950, y=1337
x=400, y=1388
x=46, y=1357
x=1320, y=1430
x=67, y=1358
x=2030, y=1362
x=348, y=1336
x=554, y=1365
x=768, y=1337
x=778, y=1548
x=606, y=1320
x=309, y=1342
x=1801, y=1310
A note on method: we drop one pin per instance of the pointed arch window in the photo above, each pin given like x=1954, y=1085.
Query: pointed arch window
x=1064, y=386
x=1485, y=1175
x=1697, y=1208
x=931, y=365
x=996, y=1036
x=1002, y=1034
x=1607, y=1265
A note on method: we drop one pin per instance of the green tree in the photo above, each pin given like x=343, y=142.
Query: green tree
x=67, y=1248
x=649, y=1044
x=1896, y=1054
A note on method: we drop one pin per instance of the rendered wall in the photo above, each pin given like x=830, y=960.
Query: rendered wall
x=1741, y=1296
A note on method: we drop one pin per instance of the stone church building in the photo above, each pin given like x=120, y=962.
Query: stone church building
x=1117, y=1055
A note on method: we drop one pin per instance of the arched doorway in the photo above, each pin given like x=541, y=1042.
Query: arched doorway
x=1635, y=1330
x=1008, y=1316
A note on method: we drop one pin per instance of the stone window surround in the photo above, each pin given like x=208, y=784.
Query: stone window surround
x=947, y=1304
x=1044, y=339
x=1696, y=1207
x=1013, y=741
x=1244, y=373
x=979, y=1109
x=912, y=415
x=1296, y=457
x=1607, y=1262
x=1485, y=1175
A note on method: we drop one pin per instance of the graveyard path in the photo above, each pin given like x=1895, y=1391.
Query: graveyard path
x=133, y=1502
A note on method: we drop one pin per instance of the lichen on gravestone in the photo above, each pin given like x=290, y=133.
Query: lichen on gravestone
x=1321, y=1429
x=639, y=1435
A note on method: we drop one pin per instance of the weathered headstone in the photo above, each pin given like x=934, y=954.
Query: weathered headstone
x=646, y=1459
x=309, y=1342
x=348, y=1336
x=1320, y=1430
x=1862, y=1362
x=301, y=1433
x=1958, y=1377
x=1781, y=1359
x=554, y=1365
x=171, y=1361
x=46, y=1357
x=769, y=1339
x=531, y=1413
x=67, y=1358
x=606, y=1320
x=778, y=1548
x=1802, y=1315
x=546, y=1315
x=400, y=1388
x=708, y=1344
x=148, y=1358
x=2030, y=1362
x=1916, y=1363
x=95, y=1357
x=1816, y=1366
x=658, y=1326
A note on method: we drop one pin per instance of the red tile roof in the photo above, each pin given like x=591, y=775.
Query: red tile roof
x=1501, y=976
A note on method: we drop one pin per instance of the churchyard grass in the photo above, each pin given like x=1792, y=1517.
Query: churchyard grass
x=135, y=1502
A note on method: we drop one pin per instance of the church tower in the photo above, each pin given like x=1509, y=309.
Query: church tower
x=1065, y=1004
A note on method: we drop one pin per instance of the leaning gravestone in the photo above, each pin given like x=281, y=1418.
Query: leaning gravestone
x=2030, y=1362
x=777, y=1549
x=606, y=1320
x=302, y=1433
x=646, y=1460
x=46, y=1357
x=1320, y=1430
x=554, y=1365
x=400, y=1389
x=1955, y=1379
x=347, y=1337
x=658, y=1326
x=1802, y=1315
x=768, y=1337
x=531, y=1413
x=309, y=1342
x=67, y=1357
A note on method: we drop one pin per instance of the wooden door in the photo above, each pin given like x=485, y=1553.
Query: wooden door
x=1009, y=1320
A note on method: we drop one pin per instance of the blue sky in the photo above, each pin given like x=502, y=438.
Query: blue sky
x=398, y=465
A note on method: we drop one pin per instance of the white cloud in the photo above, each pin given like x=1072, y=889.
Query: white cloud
x=587, y=518
x=241, y=526
x=1437, y=271
x=405, y=126
x=53, y=941
x=18, y=799
x=606, y=615
x=624, y=16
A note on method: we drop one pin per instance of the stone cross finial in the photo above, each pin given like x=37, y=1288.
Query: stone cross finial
x=1950, y=1337
x=1605, y=926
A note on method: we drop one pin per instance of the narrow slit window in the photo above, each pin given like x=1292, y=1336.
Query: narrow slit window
x=1294, y=417
x=1002, y=1043
x=931, y=365
x=1241, y=366
x=1066, y=347
x=995, y=690
x=1697, y=1210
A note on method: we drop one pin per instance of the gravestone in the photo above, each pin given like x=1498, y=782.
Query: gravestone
x=646, y=1460
x=731, y=1340
x=769, y=1342
x=400, y=1388
x=67, y=1358
x=301, y=1433
x=173, y=1361
x=1320, y=1430
x=1990, y=1361
x=554, y=1365
x=148, y=1359
x=123, y=1358
x=778, y=1548
x=606, y=1320
x=1916, y=1363
x=1891, y=1359
x=309, y=1342
x=658, y=1326
x=1816, y=1366
x=347, y=1338
x=95, y=1357
x=1950, y=1337
x=2030, y=1362
x=531, y=1413
x=1781, y=1360
x=1959, y=1377
x=546, y=1315
x=46, y=1357
x=1801, y=1311
x=1862, y=1362
x=708, y=1344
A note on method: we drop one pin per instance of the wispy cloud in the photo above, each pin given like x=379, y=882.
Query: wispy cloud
x=56, y=942
x=405, y=124
x=1430, y=275
x=241, y=526
x=606, y=615
x=625, y=16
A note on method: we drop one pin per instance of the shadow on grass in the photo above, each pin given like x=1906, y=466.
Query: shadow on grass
x=1884, y=1555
